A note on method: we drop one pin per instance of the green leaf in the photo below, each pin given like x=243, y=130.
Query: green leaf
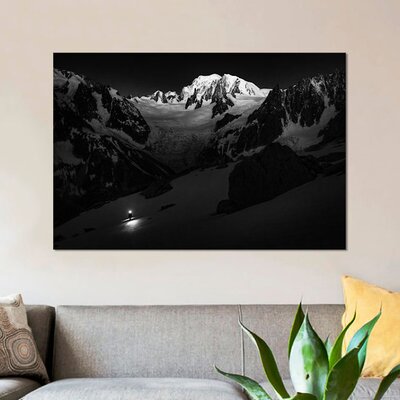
x=328, y=346
x=343, y=377
x=387, y=381
x=303, y=396
x=298, y=320
x=359, y=336
x=308, y=361
x=254, y=390
x=268, y=362
x=336, y=352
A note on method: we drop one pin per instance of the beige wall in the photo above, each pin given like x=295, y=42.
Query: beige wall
x=31, y=30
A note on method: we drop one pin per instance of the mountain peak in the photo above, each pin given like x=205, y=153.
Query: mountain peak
x=210, y=77
x=203, y=88
x=159, y=97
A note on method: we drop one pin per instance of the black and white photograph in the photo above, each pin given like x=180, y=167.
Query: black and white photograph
x=200, y=151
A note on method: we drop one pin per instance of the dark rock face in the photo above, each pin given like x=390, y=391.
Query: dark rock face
x=208, y=94
x=266, y=175
x=336, y=128
x=221, y=105
x=225, y=120
x=104, y=169
x=305, y=101
x=221, y=100
x=126, y=117
x=335, y=131
x=335, y=85
x=66, y=119
x=265, y=124
x=104, y=91
x=96, y=152
x=85, y=103
x=270, y=117
x=235, y=89
x=219, y=92
x=159, y=96
x=192, y=99
x=302, y=103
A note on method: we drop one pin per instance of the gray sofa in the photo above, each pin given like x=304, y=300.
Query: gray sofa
x=161, y=352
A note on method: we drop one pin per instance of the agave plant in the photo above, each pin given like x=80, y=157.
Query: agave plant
x=319, y=370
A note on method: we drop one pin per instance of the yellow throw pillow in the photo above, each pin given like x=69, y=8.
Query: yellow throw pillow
x=383, y=351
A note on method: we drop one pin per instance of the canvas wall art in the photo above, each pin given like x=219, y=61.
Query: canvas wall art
x=200, y=151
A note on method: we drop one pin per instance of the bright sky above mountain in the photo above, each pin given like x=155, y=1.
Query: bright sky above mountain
x=144, y=73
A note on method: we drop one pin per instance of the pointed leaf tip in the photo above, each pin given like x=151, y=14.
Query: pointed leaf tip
x=254, y=390
x=343, y=377
x=268, y=362
x=362, y=335
x=336, y=351
x=308, y=362
x=387, y=381
x=298, y=321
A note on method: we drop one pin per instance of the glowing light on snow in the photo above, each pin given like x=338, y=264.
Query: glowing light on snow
x=132, y=224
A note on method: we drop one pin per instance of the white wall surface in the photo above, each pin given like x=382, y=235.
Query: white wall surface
x=31, y=31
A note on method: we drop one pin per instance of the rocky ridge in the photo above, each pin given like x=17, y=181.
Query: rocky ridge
x=99, y=141
x=300, y=105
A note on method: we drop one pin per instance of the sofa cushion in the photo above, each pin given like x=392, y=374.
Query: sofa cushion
x=15, y=388
x=137, y=389
x=365, y=390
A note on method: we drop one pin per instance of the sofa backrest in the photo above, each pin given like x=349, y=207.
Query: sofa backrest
x=41, y=321
x=174, y=341
x=146, y=341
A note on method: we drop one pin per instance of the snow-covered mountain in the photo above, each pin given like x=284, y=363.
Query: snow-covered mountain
x=159, y=97
x=210, y=129
x=218, y=90
x=296, y=116
x=205, y=86
x=206, y=89
x=172, y=96
x=107, y=145
x=99, y=139
x=265, y=91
